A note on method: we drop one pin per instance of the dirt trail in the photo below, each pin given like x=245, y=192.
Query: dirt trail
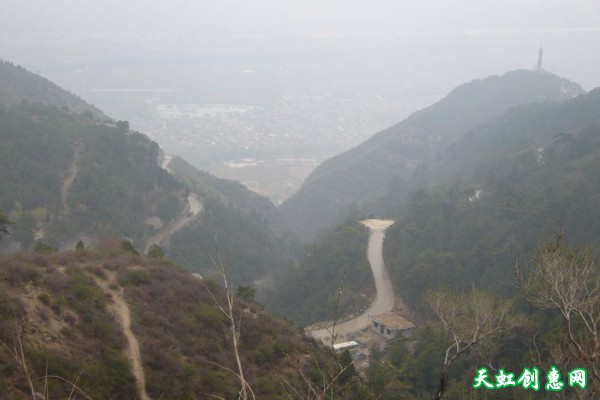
x=73, y=170
x=385, y=298
x=120, y=309
x=192, y=210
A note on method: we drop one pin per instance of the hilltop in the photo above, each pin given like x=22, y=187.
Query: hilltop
x=18, y=85
x=356, y=181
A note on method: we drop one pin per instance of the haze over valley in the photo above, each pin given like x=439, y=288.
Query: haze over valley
x=279, y=88
x=317, y=200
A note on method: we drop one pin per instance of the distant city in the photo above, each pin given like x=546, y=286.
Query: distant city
x=269, y=148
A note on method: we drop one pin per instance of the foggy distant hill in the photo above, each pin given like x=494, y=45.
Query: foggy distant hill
x=357, y=180
x=17, y=85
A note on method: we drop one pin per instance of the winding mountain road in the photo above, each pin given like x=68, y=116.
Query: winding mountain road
x=72, y=174
x=385, y=298
x=193, y=209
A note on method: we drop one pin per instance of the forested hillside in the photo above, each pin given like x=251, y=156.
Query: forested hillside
x=521, y=190
x=70, y=176
x=243, y=226
x=534, y=211
x=116, y=182
x=460, y=235
x=358, y=179
x=331, y=280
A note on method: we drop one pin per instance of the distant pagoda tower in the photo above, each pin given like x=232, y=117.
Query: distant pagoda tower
x=540, y=66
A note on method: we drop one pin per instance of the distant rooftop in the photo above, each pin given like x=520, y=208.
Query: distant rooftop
x=393, y=321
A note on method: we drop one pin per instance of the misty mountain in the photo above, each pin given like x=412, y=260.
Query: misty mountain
x=530, y=127
x=68, y=176
x=460, y=233
x=18, y=85
x=484, y=203
x=357, y=180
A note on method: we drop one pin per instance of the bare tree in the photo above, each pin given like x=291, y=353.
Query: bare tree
x=307, y=389
x=568, y=280
x=17, y=352
x=234, y=325
x=473, y=319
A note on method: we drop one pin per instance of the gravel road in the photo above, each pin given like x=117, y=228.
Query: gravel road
x=385, y=298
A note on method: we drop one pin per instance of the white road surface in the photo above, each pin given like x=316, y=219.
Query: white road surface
x=193, y=209
x=385, y=298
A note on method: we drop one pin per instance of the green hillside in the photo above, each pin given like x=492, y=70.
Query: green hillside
x=357, y=179
x=541, y=179
x=69, y=176
x=116, y=182
x=307, y=292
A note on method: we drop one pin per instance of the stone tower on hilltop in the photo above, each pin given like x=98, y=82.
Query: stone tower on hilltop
x=540, y=66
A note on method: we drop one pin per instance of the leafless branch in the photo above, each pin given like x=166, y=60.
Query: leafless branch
x=472, y=319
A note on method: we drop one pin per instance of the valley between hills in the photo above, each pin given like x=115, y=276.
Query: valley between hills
x=461, y=238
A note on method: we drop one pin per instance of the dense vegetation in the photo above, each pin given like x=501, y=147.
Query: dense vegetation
x=117, y=183
x=507, y=194
x=487, y=184
x=244, y=242
x=249, y=231
x=310, y=290
x=473, y=229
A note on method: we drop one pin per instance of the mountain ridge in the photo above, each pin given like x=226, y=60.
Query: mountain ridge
x=352, y=180
x=69, y=176
x=18, y=85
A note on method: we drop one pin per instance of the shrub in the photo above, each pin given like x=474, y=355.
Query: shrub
x=138, y=277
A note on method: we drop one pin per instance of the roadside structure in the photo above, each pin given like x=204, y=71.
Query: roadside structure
x=390, y=325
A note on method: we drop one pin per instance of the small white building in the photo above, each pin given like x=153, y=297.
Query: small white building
x=390, y=324
x=340, y=347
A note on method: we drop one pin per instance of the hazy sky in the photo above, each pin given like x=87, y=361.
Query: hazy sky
x=67, y=18
x=397, y=48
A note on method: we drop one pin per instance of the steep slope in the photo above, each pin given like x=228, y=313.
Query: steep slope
x=68, y=176
x=516, y=181
x=308, y=291
x=71, y=312
x=248, y=229
x=356, y=180
x=231, y=192
x=17, y=85
x=112, y=189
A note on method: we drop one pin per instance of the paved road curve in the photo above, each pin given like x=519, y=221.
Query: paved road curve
x=192, y=210
x=385, y=298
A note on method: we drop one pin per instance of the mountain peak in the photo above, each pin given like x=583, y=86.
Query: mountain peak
x=352, y=180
